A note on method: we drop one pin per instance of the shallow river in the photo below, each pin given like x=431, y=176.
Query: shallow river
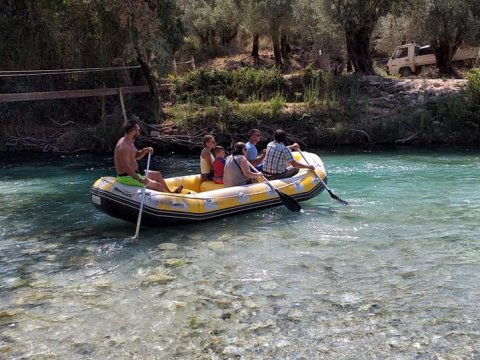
x=395, y=275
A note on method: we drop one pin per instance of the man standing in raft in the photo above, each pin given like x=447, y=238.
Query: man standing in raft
x=125, y=158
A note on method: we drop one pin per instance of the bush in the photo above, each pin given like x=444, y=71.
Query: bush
x=247, y=81
x=473, y=87
x=277, y=103
x=202, y=85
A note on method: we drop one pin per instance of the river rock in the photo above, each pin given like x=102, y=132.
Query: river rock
x=233, y=351
x=51, y=258
x=167, y=246
x=160, y=277
x=295, y=315
x=216, y=245
x=15, y=283
x=175, y=263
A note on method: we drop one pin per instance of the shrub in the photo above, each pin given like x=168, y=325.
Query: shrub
x=277, y=102
x=203, y=84
x=473, y=86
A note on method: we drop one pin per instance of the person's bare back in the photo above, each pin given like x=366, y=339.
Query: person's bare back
x=125, y=159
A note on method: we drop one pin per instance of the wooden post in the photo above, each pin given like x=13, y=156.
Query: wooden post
x=104, y=118
x=193, y=62
x=175, y=67
x=123, y=105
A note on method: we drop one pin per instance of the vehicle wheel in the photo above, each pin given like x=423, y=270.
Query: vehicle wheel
x=404, y=72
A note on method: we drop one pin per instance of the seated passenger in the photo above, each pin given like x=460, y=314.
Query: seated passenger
x=206, y=158
x=125, y=158
x=279, y=156
x=252, y=152
x=237, y=169
x=218, y=164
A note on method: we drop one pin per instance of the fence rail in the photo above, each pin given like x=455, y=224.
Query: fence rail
x=69, y=94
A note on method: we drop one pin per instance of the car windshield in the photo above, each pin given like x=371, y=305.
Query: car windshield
x=401, y=53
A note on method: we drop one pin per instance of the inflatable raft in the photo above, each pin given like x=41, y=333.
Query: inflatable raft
x=203, y=201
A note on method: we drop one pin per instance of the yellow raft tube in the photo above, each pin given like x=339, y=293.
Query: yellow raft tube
x=203, y=201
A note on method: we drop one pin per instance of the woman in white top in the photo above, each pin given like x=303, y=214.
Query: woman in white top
x=206, y=158
x=237, y=169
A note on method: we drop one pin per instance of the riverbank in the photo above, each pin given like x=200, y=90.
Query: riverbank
x=377, y=112
x=315, y=108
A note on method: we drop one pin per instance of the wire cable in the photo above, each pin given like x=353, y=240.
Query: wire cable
x=18, y=73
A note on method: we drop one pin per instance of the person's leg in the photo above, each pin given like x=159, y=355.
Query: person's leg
x=291, y=171
x=159, y=183
x=271, y=176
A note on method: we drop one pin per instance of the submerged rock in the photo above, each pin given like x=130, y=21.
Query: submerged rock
x=160, y=277
x=216, y=245
x=175, y=263
x=233, y=351
x=167, y=246
x=15, y=283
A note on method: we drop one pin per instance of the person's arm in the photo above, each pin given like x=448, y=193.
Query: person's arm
x=258, y=159
x=294, y=147
x=246, y=169
x=141, y=153
x=294, y=163
x=298, y=165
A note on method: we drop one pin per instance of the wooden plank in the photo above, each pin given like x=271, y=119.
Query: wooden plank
x=69, y=94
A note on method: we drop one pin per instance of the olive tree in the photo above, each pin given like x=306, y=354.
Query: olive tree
x=211, y=21
x=449, y=23
x=313, y=28
x=395, y=29
x=358, y=19
x=277, y=14
x=268, y=17
x=253, y=22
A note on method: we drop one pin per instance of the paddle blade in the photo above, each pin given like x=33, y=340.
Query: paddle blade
x=343, y=202
x=289, y=202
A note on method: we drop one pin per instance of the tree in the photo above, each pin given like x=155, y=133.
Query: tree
x=278, y=14
x=253, y=23
x=449, y=23
x=211, y=21
x=358, y=19
x=154, y=32
x=394, y=29
x=313, y=28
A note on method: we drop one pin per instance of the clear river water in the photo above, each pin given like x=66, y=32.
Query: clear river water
x=395, y=275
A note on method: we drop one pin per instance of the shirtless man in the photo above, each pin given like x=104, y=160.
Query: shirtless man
x=125, y=158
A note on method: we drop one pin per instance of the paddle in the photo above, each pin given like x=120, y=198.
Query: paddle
x=139, y=220
x=289, y=202
x=343, y=202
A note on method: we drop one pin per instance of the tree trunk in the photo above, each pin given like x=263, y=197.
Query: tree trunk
x=284, y=45
x=444, y=52
x=358, y=48
x=275, y=35
x=255, y=45
x=226, y=39
x=152, y=85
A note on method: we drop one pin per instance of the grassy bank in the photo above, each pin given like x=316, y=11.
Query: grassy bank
x=314, y=107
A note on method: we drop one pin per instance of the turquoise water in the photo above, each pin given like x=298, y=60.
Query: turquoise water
x=394, y=275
